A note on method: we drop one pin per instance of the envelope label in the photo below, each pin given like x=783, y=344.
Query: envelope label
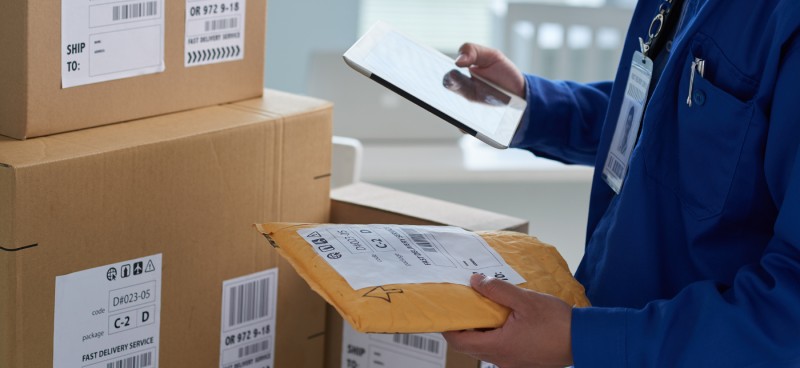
x=375, y=255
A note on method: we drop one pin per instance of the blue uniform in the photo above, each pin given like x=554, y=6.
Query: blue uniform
x=697, y=261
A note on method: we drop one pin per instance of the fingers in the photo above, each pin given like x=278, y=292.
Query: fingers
x=499, y=291
x=471, y=342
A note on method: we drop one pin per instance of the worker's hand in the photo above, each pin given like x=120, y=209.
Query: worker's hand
x=536, y=333
x=492, y=65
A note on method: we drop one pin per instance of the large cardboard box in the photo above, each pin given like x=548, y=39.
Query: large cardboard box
x=218, y=59
x=186, y=186
x=363, y=204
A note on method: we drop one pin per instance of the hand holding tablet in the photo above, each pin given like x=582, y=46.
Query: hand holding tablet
x=431, y=79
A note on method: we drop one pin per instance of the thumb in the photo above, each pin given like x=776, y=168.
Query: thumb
x=474, y=55
x=497, y=290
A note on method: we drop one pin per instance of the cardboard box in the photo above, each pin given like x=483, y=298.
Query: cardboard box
x=187, y=186
x=364, y=203
x=33, y=102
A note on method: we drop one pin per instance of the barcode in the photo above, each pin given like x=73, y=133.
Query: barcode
x=220, y=24
x=133, y=11
x=136, y=361
x=253, y=348
x=616, y=168
x=418, y=342
x=248, y=302
x=420, y=240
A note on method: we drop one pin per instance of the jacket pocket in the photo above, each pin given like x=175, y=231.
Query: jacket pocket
x=696, y=155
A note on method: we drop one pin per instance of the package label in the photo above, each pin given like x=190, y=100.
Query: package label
x=214, y=31
x=249, y=306
x=374, y=255
x=392, y=350
x=104, y=40
x=109, y=316
x=488, y=365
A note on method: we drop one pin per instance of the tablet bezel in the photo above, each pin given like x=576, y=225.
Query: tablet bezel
x=513, y=112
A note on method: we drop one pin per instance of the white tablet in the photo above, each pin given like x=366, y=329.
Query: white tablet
x=431, y=79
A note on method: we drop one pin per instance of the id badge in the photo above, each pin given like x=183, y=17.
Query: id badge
x=628, y=122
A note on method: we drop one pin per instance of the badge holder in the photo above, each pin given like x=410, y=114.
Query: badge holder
x=634, y=101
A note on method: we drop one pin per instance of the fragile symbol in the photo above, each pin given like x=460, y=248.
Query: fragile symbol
x=334, y=255
x=138, y=268
x=150, y=267
x=381, y=293
x=315, y=234
x=319, y=241
x=111, y=275
x=126, y=270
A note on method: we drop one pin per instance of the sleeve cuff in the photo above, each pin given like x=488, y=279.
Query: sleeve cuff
x=519, y=135
x=598, y=337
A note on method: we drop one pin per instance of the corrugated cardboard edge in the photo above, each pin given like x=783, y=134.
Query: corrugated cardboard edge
x=14, y=73
x=8, y=275
x=297, y=116
x=434, y=211
x=161, y=126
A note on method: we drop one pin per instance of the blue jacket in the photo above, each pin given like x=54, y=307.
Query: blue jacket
x=697, y=261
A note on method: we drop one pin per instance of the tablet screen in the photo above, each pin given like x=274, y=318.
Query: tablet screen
x=433, y=78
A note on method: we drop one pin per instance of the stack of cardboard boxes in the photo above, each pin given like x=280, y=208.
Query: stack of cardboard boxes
x=128, y=243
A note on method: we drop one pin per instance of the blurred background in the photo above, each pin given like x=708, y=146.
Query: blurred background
x=404, y=147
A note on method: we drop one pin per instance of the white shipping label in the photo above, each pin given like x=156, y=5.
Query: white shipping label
x=249, y=306
x=104, y=40
x=488, y=365
x=375, y=255
x=109, y=316
x=214, y=31
x=392, y=350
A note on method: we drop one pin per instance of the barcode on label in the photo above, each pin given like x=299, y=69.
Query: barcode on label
x=253, y=348
x=136, y=361
x=617, y=168
x=133, y=11
x=248, y=302
x=420, y=240
x=220, y=24
x=419, y=342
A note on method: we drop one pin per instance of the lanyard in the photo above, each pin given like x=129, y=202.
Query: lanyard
x=659, y=26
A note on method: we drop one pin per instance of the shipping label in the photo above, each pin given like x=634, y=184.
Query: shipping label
x=249, y=306
x=374, y=255
x=104, y=40
x=214, y=31
x=392, y=350
x=109, y=316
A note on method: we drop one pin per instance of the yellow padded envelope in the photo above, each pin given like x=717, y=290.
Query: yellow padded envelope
x=427, y=307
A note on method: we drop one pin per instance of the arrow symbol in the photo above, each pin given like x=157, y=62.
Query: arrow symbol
x=238, y=50
x=380, y=293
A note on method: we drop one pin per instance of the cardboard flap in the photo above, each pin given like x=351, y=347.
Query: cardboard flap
x=362, y=202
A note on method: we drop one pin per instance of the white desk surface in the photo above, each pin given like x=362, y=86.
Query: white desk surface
x=466, y=159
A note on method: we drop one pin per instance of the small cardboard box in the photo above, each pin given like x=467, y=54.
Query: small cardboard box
x=186, y=186
x=368, y=204
x=33, y=102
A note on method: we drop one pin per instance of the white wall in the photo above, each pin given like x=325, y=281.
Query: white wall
x=295, y=28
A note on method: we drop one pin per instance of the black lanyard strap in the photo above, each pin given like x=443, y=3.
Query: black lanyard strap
x=661, y=23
